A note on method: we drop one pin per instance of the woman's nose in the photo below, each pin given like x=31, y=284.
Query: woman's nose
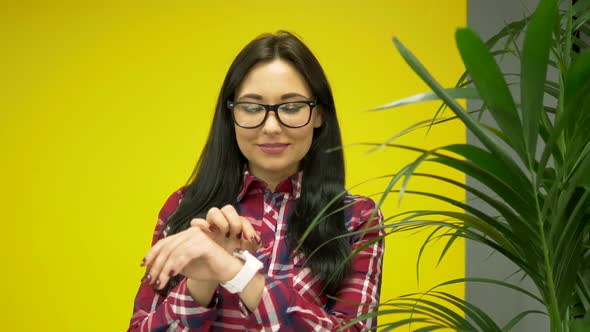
x=271, y=124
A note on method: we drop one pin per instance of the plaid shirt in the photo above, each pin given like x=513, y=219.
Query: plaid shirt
x=290, y=300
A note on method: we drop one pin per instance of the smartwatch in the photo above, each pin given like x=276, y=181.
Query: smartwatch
x=248, y=271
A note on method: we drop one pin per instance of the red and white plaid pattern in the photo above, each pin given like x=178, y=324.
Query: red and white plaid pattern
x=290, y=300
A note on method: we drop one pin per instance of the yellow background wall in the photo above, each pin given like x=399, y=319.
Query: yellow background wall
x=105, y=106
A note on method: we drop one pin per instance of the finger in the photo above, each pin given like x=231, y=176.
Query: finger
x=195, y=250
x=155, y=250
x=250, y=238
x=186, y=251
x=217, y=219
x=249, y=245
x=202, y=224
x=234, y=221
x=155, y=269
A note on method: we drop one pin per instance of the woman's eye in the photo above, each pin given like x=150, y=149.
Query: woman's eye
x=251, y=108
x=292, y=108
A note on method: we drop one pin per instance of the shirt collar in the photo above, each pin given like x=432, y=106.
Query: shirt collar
x=291, y=185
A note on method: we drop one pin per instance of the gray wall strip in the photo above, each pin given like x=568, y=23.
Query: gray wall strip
x=487, y=17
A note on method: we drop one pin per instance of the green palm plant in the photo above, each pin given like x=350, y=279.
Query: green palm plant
x=541, y=199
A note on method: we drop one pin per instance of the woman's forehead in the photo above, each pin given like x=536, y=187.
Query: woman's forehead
x=277, y=79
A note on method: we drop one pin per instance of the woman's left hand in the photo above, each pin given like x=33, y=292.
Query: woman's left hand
x=191, y=252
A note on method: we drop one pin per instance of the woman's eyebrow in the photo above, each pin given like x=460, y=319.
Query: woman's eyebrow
x=292, y=95
x=251, y=96
x=283, y=97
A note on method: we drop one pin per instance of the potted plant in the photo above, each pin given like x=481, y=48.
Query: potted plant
x=534, y=164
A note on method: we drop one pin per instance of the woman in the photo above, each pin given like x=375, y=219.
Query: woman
x=230, y=250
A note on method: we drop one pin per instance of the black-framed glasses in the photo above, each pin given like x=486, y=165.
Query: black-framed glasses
x=292, y=114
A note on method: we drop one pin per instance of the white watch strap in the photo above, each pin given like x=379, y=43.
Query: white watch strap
x=248, y=271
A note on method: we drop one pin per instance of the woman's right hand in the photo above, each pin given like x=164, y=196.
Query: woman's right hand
x=229, y=230
x=198, y=259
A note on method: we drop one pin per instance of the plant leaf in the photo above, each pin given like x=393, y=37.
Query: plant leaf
x=491, y=86
x=498, y=150
x=519, y=317
x=577, y=99
x=582, y=11
x=456, y=93
x=493, y=282
x=581, y=325
x=535, y=56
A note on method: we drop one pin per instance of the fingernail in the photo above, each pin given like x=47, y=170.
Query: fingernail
x=148, y=278
x=172, y=273
x=255, y=239
x=157, y=282
x=239, y=236
x=142, y=262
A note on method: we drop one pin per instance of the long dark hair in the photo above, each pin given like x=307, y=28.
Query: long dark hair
x=218, y=175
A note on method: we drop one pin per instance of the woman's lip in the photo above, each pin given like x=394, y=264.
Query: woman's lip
x=273, y=148
x=272, y=145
